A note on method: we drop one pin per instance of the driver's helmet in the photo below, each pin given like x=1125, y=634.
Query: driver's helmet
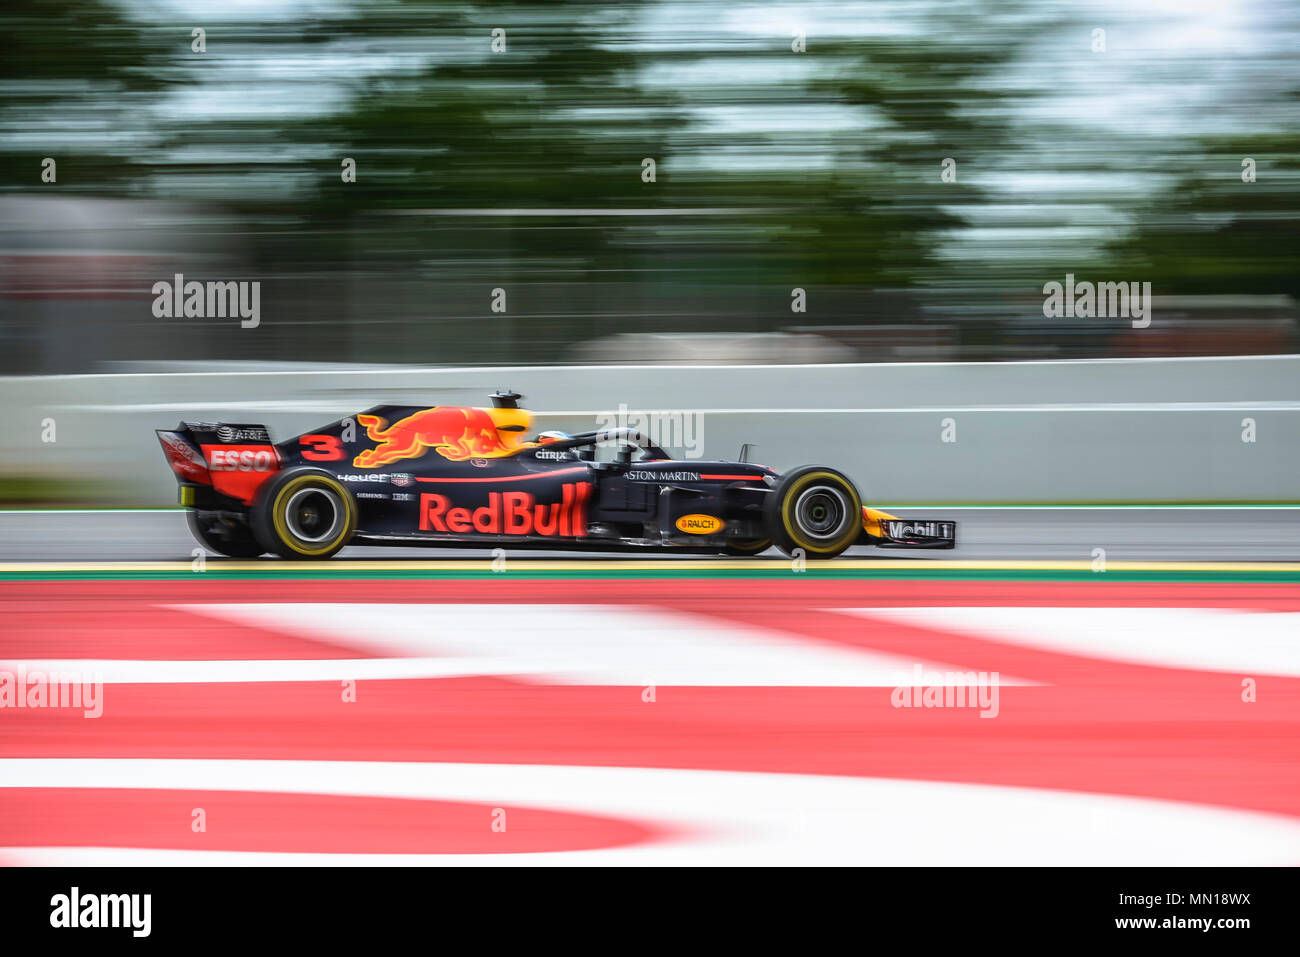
x=545, y=438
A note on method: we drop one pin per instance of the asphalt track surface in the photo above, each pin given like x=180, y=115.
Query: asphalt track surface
x=1230, y=534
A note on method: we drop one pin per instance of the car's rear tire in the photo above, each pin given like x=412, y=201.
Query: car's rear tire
x=816, y=510
x=225, y=536
x=304, y=513
x=745, y=547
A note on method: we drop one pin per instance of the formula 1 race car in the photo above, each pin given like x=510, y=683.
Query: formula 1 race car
x=462, y=476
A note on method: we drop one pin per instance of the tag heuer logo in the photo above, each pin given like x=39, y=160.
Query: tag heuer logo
x=402, y=479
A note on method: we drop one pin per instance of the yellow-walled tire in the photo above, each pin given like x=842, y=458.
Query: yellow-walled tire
x=815, y=509
x=304, y=513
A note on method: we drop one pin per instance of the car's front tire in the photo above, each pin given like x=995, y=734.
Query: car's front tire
x=744, y=547
x=225, y=536
x=304, y=513
x=816, y=510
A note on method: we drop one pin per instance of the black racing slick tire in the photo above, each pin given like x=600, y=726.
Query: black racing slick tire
x=304, y=513
x=816, y=510
x=744, y=547
x=225, y=536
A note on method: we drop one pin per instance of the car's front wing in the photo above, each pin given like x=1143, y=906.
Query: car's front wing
x=889, y=531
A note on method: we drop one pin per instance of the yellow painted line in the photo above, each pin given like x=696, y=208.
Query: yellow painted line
x=522, y=564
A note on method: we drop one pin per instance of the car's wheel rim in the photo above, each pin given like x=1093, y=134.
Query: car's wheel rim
x=314, y=515
x=821, y=512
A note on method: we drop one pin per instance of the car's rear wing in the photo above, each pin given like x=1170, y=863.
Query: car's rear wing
x=219, y=464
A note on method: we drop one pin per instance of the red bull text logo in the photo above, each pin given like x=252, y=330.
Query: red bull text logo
x=510, y=513
x=455, y=432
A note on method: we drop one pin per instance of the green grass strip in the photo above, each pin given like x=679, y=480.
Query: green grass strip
x=542, y=573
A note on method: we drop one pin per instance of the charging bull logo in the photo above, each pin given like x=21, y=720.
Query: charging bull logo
x=510, y=513
x=456, y=433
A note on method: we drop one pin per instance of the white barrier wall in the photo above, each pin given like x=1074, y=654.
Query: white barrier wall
x=1127, y=430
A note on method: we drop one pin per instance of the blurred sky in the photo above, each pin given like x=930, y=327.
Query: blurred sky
x=818, y=169
x=1173, y=71
x=1172, y=67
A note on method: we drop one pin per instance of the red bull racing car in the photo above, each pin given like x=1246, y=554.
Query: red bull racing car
x=462, y=476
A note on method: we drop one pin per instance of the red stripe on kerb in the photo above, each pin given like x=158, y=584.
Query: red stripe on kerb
x=505, y=478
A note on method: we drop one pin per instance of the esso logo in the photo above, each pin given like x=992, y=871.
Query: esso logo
x=700, y=524
x=242, y=460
